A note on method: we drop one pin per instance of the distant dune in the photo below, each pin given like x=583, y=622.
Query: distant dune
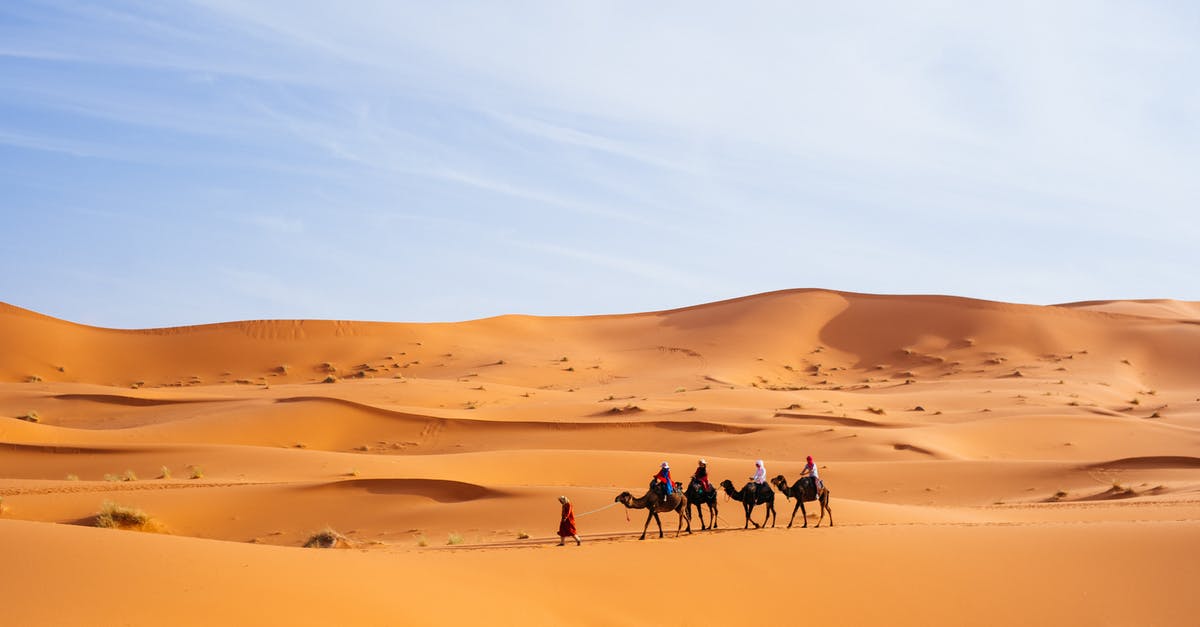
x=988, y=463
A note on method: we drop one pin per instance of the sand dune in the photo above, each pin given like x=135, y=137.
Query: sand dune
x=988, y=463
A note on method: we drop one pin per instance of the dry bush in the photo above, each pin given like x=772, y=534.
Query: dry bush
x=30, y=416
x=454, y=538
x=327, y=538
x=114, y=516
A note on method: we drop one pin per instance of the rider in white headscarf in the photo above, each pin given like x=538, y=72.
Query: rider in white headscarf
x=760, y=473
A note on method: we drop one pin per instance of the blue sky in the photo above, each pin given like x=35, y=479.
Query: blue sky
x=192, y=162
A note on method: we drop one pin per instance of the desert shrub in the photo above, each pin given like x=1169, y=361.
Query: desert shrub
x=327, y=538
x=114, y=516
x=30, y=416
x=454, y=538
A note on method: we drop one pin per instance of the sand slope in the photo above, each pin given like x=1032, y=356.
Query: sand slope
x=969, y=446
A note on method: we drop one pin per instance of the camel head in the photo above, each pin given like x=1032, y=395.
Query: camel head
x=728, y=485
x=623, y=498
x=781, y=483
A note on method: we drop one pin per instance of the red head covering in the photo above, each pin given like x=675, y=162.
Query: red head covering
x=810, y=459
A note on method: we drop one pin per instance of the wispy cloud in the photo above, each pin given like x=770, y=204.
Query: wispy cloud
x=769, y=144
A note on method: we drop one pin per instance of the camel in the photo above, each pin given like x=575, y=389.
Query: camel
x=805, y=490
x=698, y=498
x=653, y=501
x=750, y=496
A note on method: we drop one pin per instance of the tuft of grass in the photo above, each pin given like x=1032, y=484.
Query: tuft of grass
x=327, y=538
x=195, y=472
x=114, y=516
x=680, y=389
x=564, y=359
x=164, y=473
x=329, y=379
x=454, y=538
x=1135, y=401
x=72, y=477
x=878, y=411
x=1061, y=494
x=129, y=476
x=33, y=378
x=353, y=472
x=30, y=416
x=692, y=408
x=522, y=536
x=422, y=540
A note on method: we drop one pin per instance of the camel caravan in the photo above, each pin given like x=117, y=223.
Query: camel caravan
x=666, y=495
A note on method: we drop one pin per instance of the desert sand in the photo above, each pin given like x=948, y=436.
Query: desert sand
x=988, y=464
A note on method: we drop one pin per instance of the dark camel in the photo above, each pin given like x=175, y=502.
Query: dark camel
x=698, y=498
x=653, y=501
x=750, y=496
x=805, y=490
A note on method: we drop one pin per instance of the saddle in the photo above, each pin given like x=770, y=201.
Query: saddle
x=759, y=490
x=808, y=488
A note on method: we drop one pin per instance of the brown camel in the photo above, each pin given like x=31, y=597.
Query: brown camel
x=805, y=490
x=653, y=501
x=752, y=495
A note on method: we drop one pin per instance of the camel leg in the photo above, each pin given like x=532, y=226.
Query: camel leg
x=657, y=521
x=799, y=505
x=647, y=525
x=712, y=511
x=770, y=514
x=825, y=508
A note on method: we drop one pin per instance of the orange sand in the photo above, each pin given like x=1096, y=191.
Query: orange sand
x=989, y=463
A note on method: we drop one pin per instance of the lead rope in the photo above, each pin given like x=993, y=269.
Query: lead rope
x=600, y=510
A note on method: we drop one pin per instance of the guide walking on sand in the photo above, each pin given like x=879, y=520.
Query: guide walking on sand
x=566, y=528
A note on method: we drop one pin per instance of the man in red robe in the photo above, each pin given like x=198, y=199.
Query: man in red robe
x=566, y=528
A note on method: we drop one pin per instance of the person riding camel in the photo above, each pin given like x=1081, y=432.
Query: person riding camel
x=701, y=475
x=664, y=478
x=810, y=469
x=759, y=478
